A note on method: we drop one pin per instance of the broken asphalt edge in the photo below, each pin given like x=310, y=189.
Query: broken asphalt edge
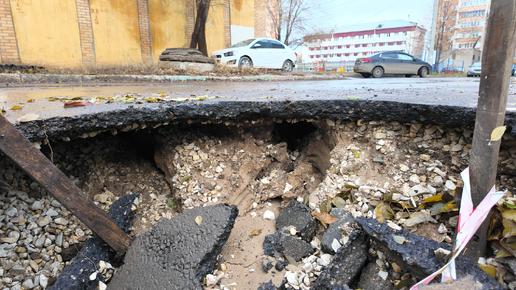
x=114, y=116
x=53, y=78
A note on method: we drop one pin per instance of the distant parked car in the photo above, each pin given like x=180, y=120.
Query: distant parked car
x=475, y=70
x=513, y=72
x=259, y=52
x=391, y=62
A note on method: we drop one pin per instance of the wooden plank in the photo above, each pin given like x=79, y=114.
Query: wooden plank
x=497, y=56
x=48, y=176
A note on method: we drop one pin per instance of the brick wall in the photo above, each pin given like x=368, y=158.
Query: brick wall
x=145, y=33
x=190, y=19
x=227, y=23
x=260, y=18
x=86, y=31
x=8, y=45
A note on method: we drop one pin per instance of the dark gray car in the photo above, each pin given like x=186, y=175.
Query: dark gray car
x=393, y=63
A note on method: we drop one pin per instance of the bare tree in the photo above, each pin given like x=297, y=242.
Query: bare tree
x=290, y=19
x=199, y=33
x=444, y=28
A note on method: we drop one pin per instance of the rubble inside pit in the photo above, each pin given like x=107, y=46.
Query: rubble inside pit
x=181, y=166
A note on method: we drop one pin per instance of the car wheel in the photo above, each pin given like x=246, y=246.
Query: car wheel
x=287, y=66
x=423, y=72
x=366, y=75
x=245, y=62
x=377, y=72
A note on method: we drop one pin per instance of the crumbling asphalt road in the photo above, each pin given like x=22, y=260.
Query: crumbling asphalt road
x=445, y=101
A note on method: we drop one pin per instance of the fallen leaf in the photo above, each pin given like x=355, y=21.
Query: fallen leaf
x=510, y=205
x=510, y=214
x=27, y=118
x=185, y=178
x=31, y=101
x=324, y=217
x=16, y=108
x=2, y=111
x=324, y=207
x=497, y=133
x=491, y=270
x=292, y=261
x=77, y=104
x=256, y=232
x=356, y=154
x=338, y=202
x=353, y=97
x=273, y=89
x=171, y=202
x=435, y=198
x=383, y=212
x=198, y=220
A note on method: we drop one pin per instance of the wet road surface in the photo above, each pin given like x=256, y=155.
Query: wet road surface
x=449, y=91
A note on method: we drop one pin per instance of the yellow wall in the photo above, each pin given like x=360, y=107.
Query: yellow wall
x=46, y=29
x=215, y=26
x=168, y=25
x=242, y=12
x=116, y=31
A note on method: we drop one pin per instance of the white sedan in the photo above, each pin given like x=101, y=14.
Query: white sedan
x=259, y=52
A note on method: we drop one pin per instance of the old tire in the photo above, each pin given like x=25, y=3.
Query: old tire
x=245, y=62
x=377, y=72
x=288, y=66
x=423, y=72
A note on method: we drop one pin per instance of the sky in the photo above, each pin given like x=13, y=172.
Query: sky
x=349, y=12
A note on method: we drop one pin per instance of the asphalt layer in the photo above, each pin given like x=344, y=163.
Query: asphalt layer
x=447, y=101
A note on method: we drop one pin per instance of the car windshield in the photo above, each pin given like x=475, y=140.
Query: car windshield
x=477, y=64
x=243, y=43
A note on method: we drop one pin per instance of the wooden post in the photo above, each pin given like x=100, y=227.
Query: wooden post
x=35, y=164
x=497, y=56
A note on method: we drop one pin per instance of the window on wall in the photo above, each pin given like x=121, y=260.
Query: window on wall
x=357, y=45
x=339, y=54
x=312, y=48
x=311, y=56
x=347, y=54
x=339, y=47
x=364, y=45
x=348, y=46
x=361, y=37
x=325, y=48
x=318, y=56
x=391, y=43
x=382, y=43
x=473, y=3
x=364, y=53
x=399, y=42
x=355, y=54
x=472, y=13
x=387, y=34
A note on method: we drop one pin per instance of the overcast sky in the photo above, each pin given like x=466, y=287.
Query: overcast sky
x=348, y=12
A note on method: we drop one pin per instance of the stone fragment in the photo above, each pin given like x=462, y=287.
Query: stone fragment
x=333, y=232
x=404, y=168
x=450, y=185
x=12, y=211
x=424, y=157
x=418, y=190
x=286, y=244
x=464, y=283
x=269, y=215
x=11, y=238
x=346, y=264
x=37, y=205
x=177, y=251
x=61, y=221
x=297, y=214
x=417, y=256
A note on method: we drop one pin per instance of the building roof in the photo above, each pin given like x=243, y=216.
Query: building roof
x=386, y=24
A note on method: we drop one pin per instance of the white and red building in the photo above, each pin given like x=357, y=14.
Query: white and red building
x=361, y=40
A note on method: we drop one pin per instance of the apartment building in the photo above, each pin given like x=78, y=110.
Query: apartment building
x=360, y=40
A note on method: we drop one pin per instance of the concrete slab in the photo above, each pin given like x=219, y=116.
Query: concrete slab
x=177, y=253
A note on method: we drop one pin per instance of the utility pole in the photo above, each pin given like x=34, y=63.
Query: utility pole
x=431, y=50
x=497, y=58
